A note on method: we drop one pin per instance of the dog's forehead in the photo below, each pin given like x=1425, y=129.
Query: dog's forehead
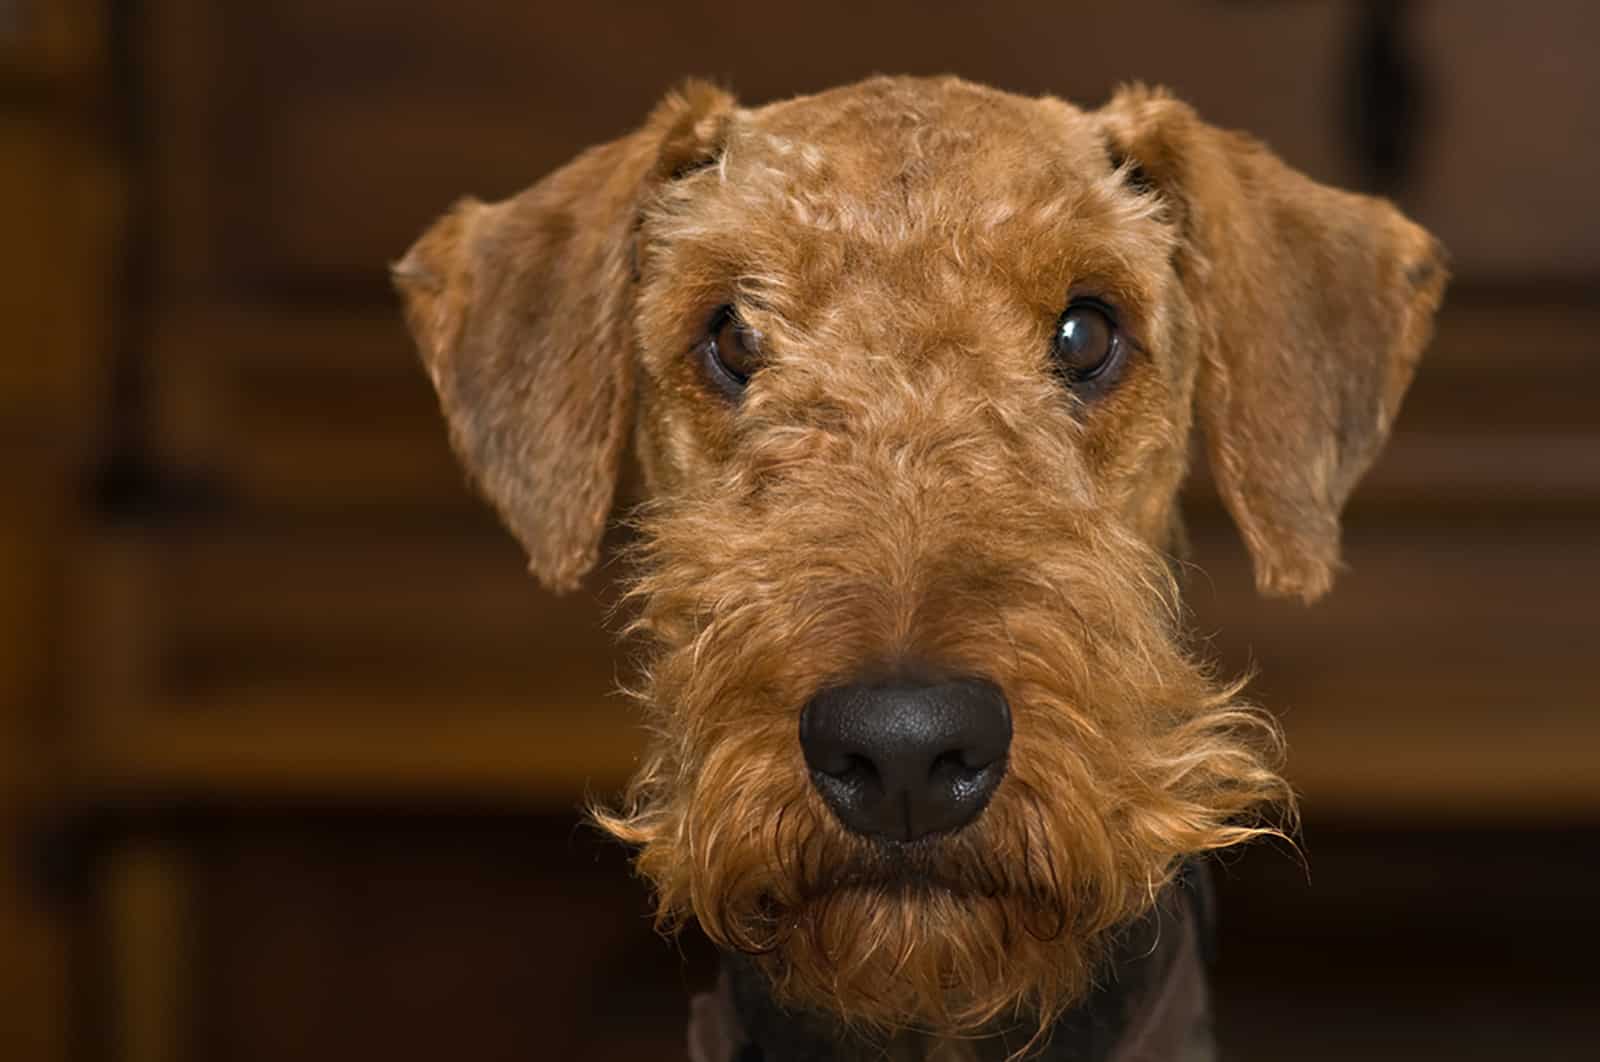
x=932, y=190
x=943, y=141
x=918, y=219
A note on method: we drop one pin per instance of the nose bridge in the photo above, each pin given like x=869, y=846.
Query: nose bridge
x=900, y=514
x=896, y=455
x=906, y=392
x=897, y=412
x=939, y=393
x=934, y=439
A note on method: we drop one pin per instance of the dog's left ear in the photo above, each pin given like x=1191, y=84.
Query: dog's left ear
x=1313, y=306
x=521, y=311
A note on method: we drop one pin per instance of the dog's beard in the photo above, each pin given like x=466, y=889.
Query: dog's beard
x=949, y=933
x=1126, y=758
x=998, y=925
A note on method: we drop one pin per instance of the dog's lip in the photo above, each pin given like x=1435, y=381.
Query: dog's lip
x=898, y=867
x=896, y=888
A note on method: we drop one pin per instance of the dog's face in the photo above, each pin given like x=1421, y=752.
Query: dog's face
x=911, y=368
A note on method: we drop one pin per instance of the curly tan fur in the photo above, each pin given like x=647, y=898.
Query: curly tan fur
x=908, y=485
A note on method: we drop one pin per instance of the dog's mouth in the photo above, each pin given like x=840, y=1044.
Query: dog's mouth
x=924, y=883
x=910, y=871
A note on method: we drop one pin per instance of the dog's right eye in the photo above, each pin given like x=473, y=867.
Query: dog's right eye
x=732, y=351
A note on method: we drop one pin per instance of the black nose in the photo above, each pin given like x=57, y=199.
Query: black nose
x=903, y=760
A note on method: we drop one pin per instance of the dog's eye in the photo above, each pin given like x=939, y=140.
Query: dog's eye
x=1087, y=344
x=733, y=351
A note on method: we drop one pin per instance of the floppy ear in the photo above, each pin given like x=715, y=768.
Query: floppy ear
x=1313, y=307
x=521, y=311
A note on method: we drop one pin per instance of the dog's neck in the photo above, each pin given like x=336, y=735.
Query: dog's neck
x=1149, y=1003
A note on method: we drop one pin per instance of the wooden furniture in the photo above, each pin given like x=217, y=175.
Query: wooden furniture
x=61, y=207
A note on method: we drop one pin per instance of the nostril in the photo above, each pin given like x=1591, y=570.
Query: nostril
x=856, y=769
x=955, y=777
x=970, y=760
x=860, y=765
x=955, y=764
x=837, y=762
x=857, y=783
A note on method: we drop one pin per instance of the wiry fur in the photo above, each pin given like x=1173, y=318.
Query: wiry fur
x=909, y=486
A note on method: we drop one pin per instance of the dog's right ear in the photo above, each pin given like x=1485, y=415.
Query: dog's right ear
x=521, y=312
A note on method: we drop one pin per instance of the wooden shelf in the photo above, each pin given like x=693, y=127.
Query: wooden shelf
x=575, y=744
x=1448, y=674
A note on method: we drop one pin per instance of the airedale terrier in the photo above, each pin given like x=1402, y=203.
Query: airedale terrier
x=911, y=369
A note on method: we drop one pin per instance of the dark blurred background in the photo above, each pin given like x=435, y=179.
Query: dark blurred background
x=290, y=748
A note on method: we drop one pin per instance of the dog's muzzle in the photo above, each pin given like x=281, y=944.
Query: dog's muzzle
x=902, y=760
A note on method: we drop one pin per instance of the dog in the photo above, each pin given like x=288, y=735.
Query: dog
x=911, y=370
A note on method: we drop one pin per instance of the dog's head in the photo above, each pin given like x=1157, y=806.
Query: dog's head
x=911, y=368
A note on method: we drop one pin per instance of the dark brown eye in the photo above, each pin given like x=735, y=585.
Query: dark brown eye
x=733, y=351
x=1086, y=342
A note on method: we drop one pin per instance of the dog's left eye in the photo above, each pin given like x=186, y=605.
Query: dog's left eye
x=1087, y=344
x=732, y=351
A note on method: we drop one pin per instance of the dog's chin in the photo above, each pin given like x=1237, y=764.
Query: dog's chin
x=914, y=947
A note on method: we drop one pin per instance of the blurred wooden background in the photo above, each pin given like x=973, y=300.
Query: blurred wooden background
x=290, y=746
